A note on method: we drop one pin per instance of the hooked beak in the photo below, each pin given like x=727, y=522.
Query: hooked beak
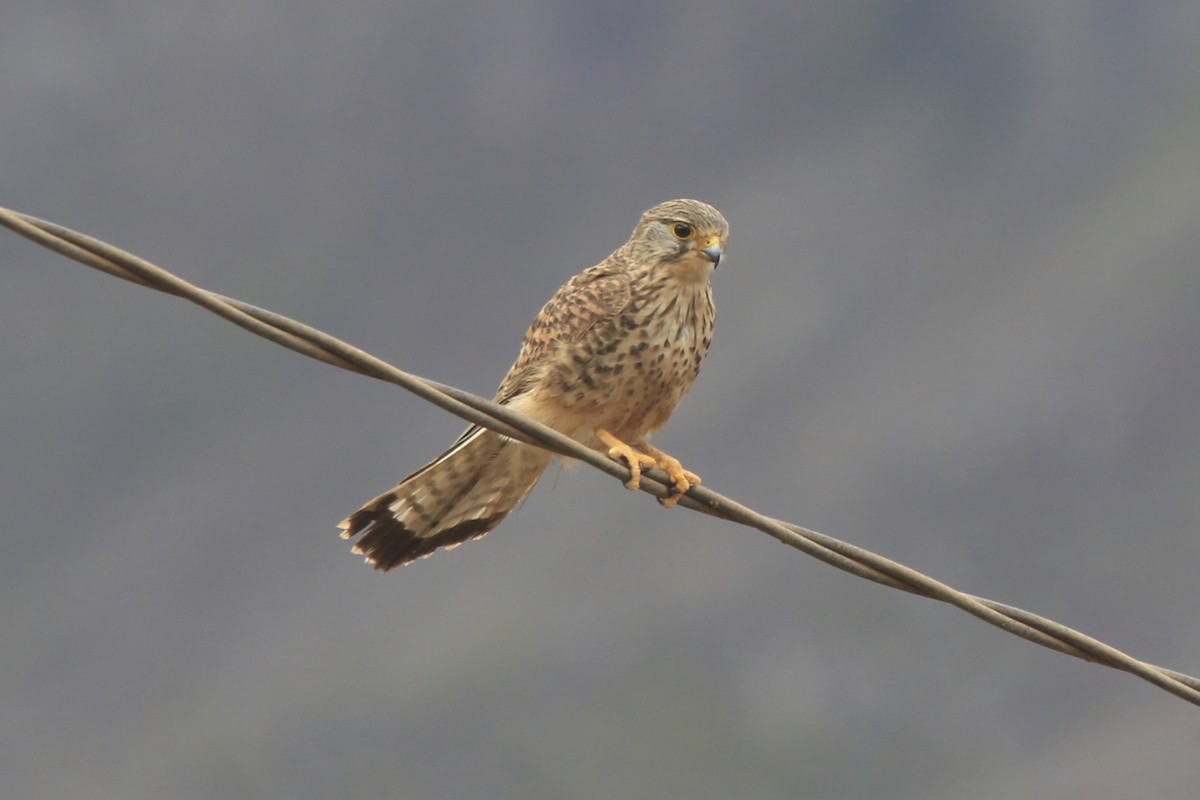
x=712, y=251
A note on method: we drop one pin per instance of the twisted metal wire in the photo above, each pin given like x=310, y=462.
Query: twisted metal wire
x=847, y=557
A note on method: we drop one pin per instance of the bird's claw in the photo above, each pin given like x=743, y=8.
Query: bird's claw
x=646, y=456
x=681, y=479
x=636, y=461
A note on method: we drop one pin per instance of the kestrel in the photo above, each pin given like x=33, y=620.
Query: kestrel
x=605, y=362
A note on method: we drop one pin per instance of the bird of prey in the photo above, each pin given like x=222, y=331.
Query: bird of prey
x=605, y=362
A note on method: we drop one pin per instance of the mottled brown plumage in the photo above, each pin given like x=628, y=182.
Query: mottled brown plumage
x=605, y=362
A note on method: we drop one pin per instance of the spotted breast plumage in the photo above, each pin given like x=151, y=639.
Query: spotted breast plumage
x=605, y=362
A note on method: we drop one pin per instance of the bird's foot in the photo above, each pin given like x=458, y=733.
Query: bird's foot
x=647, y=456
x=681, y=479
x=635, y=460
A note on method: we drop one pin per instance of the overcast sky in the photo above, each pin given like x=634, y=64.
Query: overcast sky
x=957, y=324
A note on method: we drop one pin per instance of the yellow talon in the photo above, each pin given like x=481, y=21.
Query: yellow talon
x=681, y=479
x=620, y=451
x=647, y=456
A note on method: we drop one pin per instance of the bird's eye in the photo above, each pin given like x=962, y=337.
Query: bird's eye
x=682, y=230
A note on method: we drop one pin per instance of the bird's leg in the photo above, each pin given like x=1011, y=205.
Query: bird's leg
x=620, y=451
x=647, y=456
x=681, y=479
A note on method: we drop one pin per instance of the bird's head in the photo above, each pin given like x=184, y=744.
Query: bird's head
x=684, y=237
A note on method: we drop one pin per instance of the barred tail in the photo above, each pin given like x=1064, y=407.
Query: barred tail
x=459, y=496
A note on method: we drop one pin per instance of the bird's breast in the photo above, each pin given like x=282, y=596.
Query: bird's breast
x=629, y=373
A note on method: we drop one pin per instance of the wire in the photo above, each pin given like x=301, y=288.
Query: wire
x=319, y=345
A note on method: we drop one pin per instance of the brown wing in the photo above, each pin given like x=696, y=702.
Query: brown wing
x=590, y=297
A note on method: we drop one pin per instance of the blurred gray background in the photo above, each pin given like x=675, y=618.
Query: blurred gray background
x=957, y=324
